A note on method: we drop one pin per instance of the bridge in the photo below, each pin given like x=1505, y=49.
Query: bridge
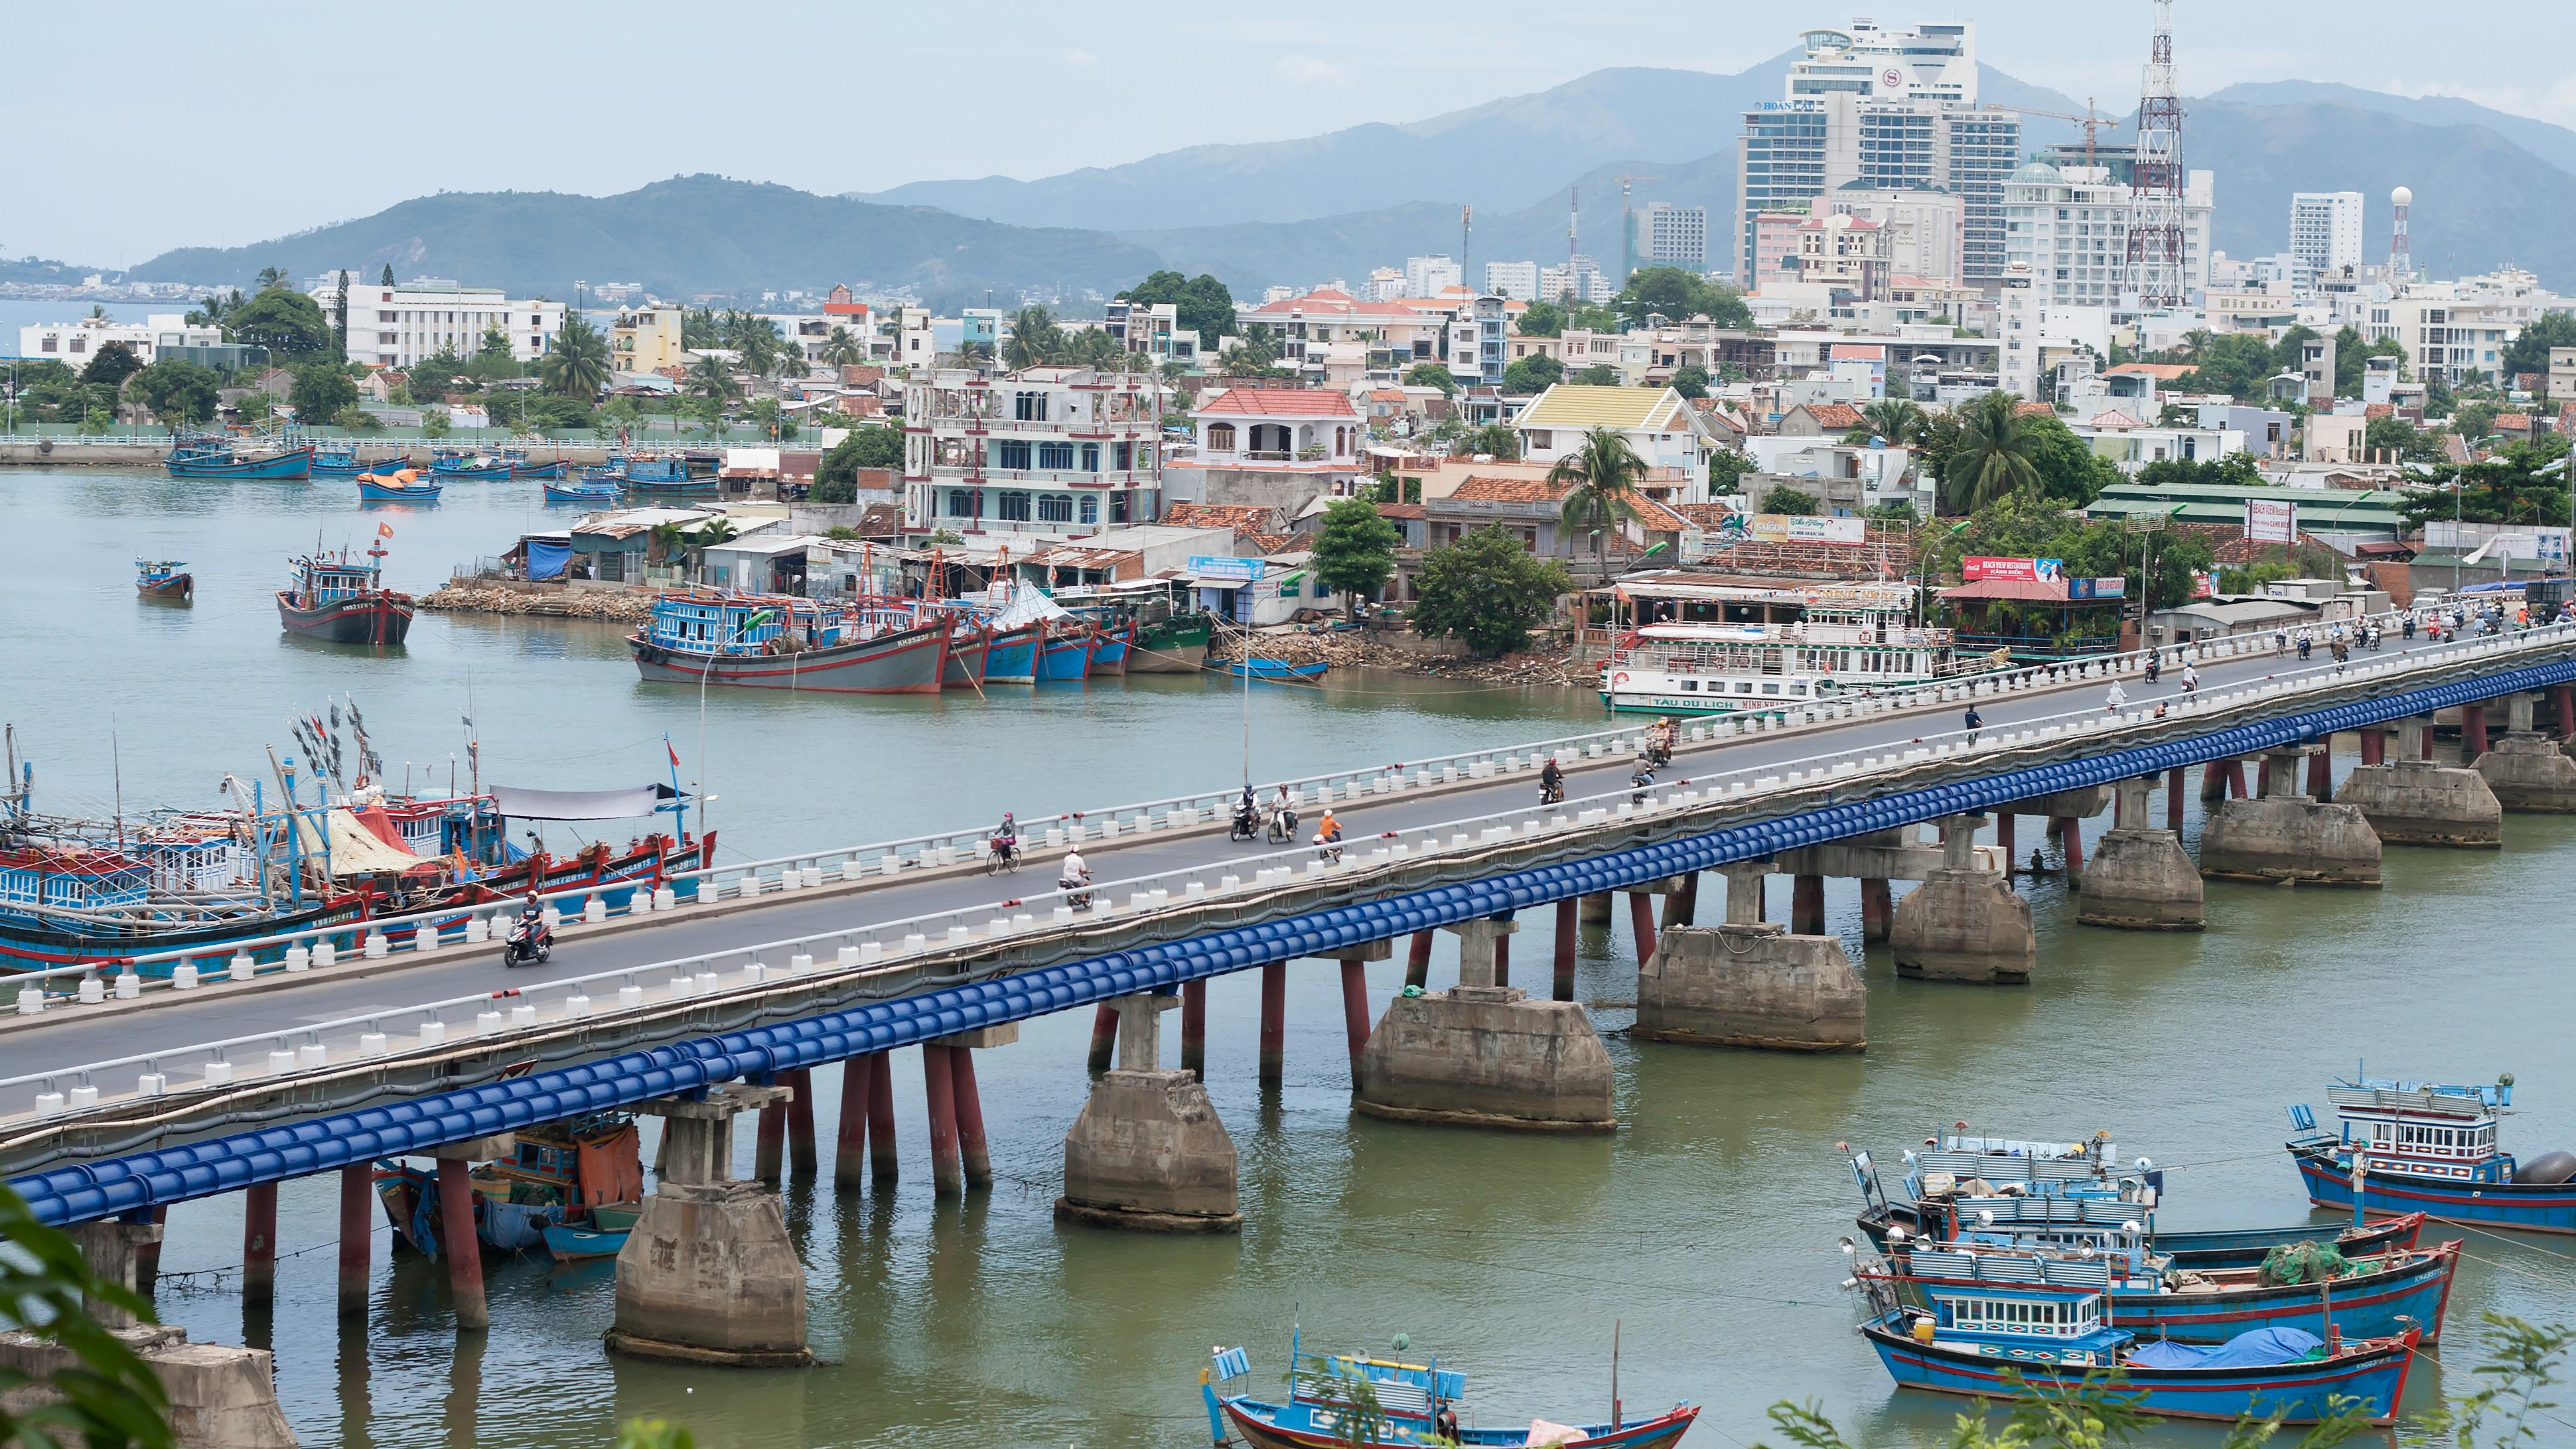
x=129, y=1100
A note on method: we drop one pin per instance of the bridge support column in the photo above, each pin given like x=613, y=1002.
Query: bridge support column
x=1596, y=909
x=1749, y=984
x=2473, y=731
x=800, y=1123
x=1807, y=905
x=357, y=1225
x=1566, y=933
x=1194, y=1028
x=2140, y=879
x=1963, y=924
x=259, y=1243
x=939, y=1083
x=884, y=1164
x=460, y=1245
x=147, y=1255
x=1877, y=909
x=974, y=1149
x=2174, y=779
x=2285, y=836
x=2321, y=770
x=1274, y=1023
x=769, y=1140
x=1148, y=1152
x=1417, y=960
x=1486, y=1055
x=1681, y=908
x=2562, y=710
x=708, y=1275
x=1104, y=1036
x=2070, y=841
x=850, y=1134
x=2527, y=771
x=2374, y=746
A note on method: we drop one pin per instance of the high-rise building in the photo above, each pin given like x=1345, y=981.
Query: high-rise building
x=1674, y=236
x=1430, y=276
x=1516, y=280
x=2325, y=229
x=1893, y=108
x=1580, y=278
x=2071, y=228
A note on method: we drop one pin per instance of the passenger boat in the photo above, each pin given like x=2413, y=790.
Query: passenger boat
x=457, y=463
x=2411, y=1147
x=217, y=458
x=1064, y=655
x=403, y=485
x=165, y=579
x=1417, y=1404
x=560, y=1175
x=1706, y=647
x=341, y=602
x=1957, y=1321
x=762, y=641
x=1277, y=670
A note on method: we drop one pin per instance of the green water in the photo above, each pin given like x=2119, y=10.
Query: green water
x=1705, y=1230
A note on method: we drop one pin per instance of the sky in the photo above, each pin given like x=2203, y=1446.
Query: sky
x=600, y=98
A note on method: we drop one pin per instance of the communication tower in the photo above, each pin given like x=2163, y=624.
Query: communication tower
x=2156, y=233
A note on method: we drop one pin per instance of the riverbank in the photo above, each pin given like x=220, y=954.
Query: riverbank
x=538, y=601
x=1407, y=653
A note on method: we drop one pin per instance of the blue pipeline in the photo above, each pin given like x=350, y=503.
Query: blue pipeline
x=144, y=1180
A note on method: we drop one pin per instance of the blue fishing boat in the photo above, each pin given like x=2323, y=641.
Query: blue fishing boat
x=456, y=463
x=338, y=460
x=165, y=579
x=2408, y=1147
x=759, y=641
x=1957, y=1321
x=584, y=1175
x=1064, y=655
x=1011, y=655
x=667, y=477
x=551, y=468
x=220, y=459
x=606, y=1234
x=1416, y=1404
x=583, y=490
x=403, y=485
x=612, y=471
x=1278, y=670
x=1117, y=639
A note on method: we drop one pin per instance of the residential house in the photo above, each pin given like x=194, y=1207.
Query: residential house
x=1123, y=554
x=2334, y=438
x=1410, y=521
x=1279, y=447
x=1533, y=510
x=647, y=340
x=1818, y=420
x=1050, y=451
x=1661, y=427
x=1847, y=480
x=1255, y=529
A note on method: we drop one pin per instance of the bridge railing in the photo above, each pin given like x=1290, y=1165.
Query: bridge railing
x=438, y=1025
x=297, y=951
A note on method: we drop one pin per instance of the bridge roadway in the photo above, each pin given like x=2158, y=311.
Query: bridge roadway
x=68, y=1038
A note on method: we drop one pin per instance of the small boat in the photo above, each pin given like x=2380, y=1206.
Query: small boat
x=403, y=485
x=220, y=460
x=584, y=490
x=165, y=579
x=341, y=602
x=609, y=1225
x=662, y=477
x=337, y=460
x=551, y=468
x=1278, y=670
x=585, y=1176
x=1065, y=654
x=452, y=463
x=2410, y=1147
x=1416, y=1403
x=759, y=641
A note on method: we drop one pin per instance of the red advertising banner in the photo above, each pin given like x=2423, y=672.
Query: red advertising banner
x=1976, y=568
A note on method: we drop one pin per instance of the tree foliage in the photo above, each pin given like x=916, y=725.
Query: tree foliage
x=2024, y=524
x=1678, y=294
x=1784, y=499
x=1542, y=319
x=322, y=392
x=286, y=322
x=1532, y=373
x=1202, y=303
x=2352, y=358
x=2529, y=352
x=1355, y=548
x=1487, y=591
x=177, y=390
x=577, y=365
x=1995, y=455
x=1599, y=374
x=1602, y=477
x=111, y=365
x=837, y=479
x=1493, y=440
x=1432, y=374
x=107, y=1397
x=1691, y=381
x=2506, y=488
x=1725, y=466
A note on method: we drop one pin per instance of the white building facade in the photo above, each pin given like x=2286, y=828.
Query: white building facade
x=74, y=344
x=2069, y=228
x=2325, y=229
x=1055, y=452
x=1515, y=280
x=1430, y=276
x=399, y=325
x=1673, y=236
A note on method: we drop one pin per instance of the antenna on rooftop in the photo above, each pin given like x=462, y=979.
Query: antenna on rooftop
x=1466, y=238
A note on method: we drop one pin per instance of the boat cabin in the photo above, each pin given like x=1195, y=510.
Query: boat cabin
x=710, y=623
x=33, y=877
x=2005, y=1303
x=2418, y=1128
x=1703, y=644
x=322, y=580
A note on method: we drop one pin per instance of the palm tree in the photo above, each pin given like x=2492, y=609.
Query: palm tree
x=1094, y=347
x=1035, y=339
x=1604, y=473
x=1896, y=420
x=709, y=378
x=578, y=365
x=271, y=277
x=974, y=353
x=841, y=349
x=757, y=342
x=1996, y=454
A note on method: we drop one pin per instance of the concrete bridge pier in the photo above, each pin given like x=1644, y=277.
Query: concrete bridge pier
x=2284, y=836
x=2140, y=879
x=708, y=1275
x=2527, y=770
x=2412, y=801
x=1596, y=909
x=220, y=1397
x=1355, y=1018
x=1748, y=983
x=1148, y=1152
x=1962, y=923
x=1641, y=920
x=1485, y=1055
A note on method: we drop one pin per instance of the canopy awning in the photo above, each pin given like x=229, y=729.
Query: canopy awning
x=580, y=804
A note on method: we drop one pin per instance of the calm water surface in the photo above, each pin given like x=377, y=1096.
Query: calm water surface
x=1705, y=1231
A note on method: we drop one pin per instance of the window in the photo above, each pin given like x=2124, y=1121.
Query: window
x=961, y=503
x=1011, y=453
x=1118, y=508
x=1055, y=507
x=1220, y=437
x=1122, y=456
x=1012, y=507
x=1091, y=457
x=1055, y=455
x=1029, y=407
x=1090, y=509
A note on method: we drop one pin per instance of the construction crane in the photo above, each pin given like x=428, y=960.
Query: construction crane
x=1628, y=227
x=2092, y=120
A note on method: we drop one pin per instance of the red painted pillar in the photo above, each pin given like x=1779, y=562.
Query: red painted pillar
x=357, y=1221
x=2213, y=781
x=769, y=1145
x=2173, y=800
x=1566, y=928
x=2374, y=747
x=1417, y=965
x=2562, y=705
x=2236, y=778
x=147, y=1256
x=850, y=1136
x=458, y=1243
x=971, y=1143
x=1641, y=920
x=1104, y=1037
x=1877, y=909
x=1355, y=1017
x=2427, y=751
x=2070, y=837
x=259, y=1240
x=1807, y=905
x=883, y=1165
x=2321, y=773
x=2473, y=730
x=2003, y=839
x=800, y=1123
x=1502, y=960
x=1194, y=1028
x=947, y=1176
x=1274, y=1023
x=1681, y=908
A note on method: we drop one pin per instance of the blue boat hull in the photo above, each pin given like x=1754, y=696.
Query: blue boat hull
x=555, y=469
x=1275, y=670
x=582, y=493
x=291, y=464
x=2529, y=1207
x=2373, y=1305
x=2301, y=1393
x=571, y=1244
x=498, y=471
x=1065, y=658
x=1012, y=657
x=1294, y=1426
x=379, y=493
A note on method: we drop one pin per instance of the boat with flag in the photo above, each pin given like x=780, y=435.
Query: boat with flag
x=215, y=456
x=339, y=600
x=1336, y=1401
x=403, y=485
x=2406, y=1147
x=772, y=641
x=165, y=579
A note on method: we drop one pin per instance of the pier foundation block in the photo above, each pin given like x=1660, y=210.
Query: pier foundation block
x=2140, y=878
x=1483, y=1055
x=1963, y=924
x=1148, y=1152
x=2285, y=836
x=2528, y=772
x=1752, y=986
x=709, y=1275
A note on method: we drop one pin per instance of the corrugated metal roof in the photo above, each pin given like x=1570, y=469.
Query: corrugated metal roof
x=1576, y=405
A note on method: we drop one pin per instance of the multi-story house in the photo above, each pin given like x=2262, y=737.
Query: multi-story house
x=1052, y=451
x=1152, y=329
x=1662, y=429
x=399, y=325
x=1279, y=447
x=647, y=340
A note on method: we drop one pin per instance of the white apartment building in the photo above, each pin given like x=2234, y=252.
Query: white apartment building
x=1580, y=278
x=1053, y=452
x=2070, y=229
x=2325, y=229
x=1430, y=276
x=1385, y=284
x=73, y=344
x=1515, y=280
x=1673, y=236
x=1925, y=229
x=399, y=325
x=2017, y=324
x=2447, y=332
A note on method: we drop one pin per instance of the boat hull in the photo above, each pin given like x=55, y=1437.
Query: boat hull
x=2380, y=1304
x=382, y=620
x=1170, y=648
x=555, y=469
x=30, y=945
x=498, y=472
x=569, y=1244
x=2216, y=1248
x=1278, y=670
x=1065, y=657
x=2524, y=1206
x=687, y=488
x=180, y=587
x=371, y=492
x=582, y=493
x=2300, y=1393
x=292, y=464
x=1012, y=656
x=1259, y=1425
x=1110, y=651
x=910, y=662
x=966, y=657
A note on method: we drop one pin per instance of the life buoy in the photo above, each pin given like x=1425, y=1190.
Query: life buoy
x=1618, y=680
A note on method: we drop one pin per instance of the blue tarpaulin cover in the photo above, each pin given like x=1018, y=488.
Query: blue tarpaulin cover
x=546, y=560
x=2262, y=1348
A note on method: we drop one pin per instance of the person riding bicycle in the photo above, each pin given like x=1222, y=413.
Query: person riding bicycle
x=1006, y=840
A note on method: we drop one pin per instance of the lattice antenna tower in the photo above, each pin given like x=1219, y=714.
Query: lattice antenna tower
x=2156, y=232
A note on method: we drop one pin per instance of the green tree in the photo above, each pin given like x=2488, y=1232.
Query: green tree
x=1532, y=373
x=699, y=329
x=840, y=349
x=1355, y=549
x=272, y=278
x=387, y=279
x=106, y=1397
x=2069, y=470
x=1487, y=591
x=2529, y=352
x=2402, y=439
x=1784, y=499
x=177, y=390
x=1201, y=303
x=1432, y=374
x=437, y=375
x=111, y=365
x=836, y=480
x=1093, y=347
x=1601, y=476
x=769, y=422
x=286, y=322
x=1995, y=455
x=1895, y=420
x=322, y=391
x=710, y=378
x=211, y=311
x=1255, y=355
x=340, y=315
x=1678, y=294
x=1035, y=340
x=1599, y=374
x=1691, y=381
x=1493, y=440
x=1542, y=319
x=433, y=423
x=2236, y=363
x=577, y=364
x=1725, y=466
x=355, y=419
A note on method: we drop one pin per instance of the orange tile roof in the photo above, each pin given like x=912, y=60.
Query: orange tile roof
x=1399, y=510
x=1833, y=414
x=1218, y=515
x=1280, y=402
x=1510, y=490
x=2036, y=410
x=2160, y=371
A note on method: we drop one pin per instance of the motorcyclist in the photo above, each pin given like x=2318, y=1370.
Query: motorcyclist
x=1641, y=782
x=1247, y=815
x=1075, y=873
x=1328, y=834
x=1551, y=782
x=1283, y=814
x=2190, y=679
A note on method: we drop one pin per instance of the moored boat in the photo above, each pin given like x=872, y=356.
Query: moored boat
x=1011, y=654
x=457, y=463
x=338, y=460
x=219, y=459
x=1176, y=645
x=341, y=602
x=968, y=646
x=583, y=490
x=757, y=641
x=1064, y=655
x=1115, y=642
x=1708, y=647
x=403, y=485
x=1416, y=1404
x=585, y=1175
x=165, y=579
x=1277, y=671
x=662, y=477
x=2421, y=1147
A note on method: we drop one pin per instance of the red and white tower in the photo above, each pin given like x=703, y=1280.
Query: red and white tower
x=2157, y=268
x=2401, y=261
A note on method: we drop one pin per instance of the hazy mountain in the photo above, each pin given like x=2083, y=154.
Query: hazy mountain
x=682, y=237
x=2553, y=144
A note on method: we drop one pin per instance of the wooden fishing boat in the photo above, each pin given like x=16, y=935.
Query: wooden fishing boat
x=455, y=463
x=341, y=602
x=2420, y=1147
x=968, y=647
x=221, y=460
x=756, y=641
x=1011, y=655
x=1064, y=655
x=403, y=485
x=1177, y=645
x=584, y=1175
x=551, y=468
x=664, y=478
x=1417, y=1404
x=1115, y=642
x=583, y=490
x=165, y=579
x=337, y=460
x=1277, y=670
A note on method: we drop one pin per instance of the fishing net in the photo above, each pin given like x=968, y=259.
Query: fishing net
x=2302, y=1263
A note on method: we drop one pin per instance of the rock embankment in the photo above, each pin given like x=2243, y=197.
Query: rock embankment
x=1355, y=649
x=459, y=597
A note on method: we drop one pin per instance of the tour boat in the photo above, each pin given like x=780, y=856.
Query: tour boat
x=403, y=485
x=1705, y=647
x=1278, y=670
x=2412, y=1147
x=342, y=602
x=1956, y=1322
x=164, y=579
x=1417, y=1404
x=218, y=458
x=558, y=1175
x=456, y=463
x=761, y=641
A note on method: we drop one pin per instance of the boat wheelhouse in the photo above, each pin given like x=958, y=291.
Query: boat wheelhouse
x=1710, y=645
x=2408, y=1147
x=773, y=641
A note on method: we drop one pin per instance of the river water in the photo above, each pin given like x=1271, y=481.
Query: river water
x=1704, y=1232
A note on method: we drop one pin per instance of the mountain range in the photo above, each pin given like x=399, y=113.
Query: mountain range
x=2490, y=188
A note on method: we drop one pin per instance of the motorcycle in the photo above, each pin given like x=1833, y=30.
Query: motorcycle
x=1001, y=853
x=530, y=939
x=1247, y=824
x=1328, y=851
x=1641, y=782
x=1077, y=893
x=1281, y=827
x=1551, y=794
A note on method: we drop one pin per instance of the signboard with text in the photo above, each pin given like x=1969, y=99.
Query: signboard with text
x=1206, y=568
x=2111, y=588
x=2271, y=520
x=1700, y=544
x=1977, y=568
